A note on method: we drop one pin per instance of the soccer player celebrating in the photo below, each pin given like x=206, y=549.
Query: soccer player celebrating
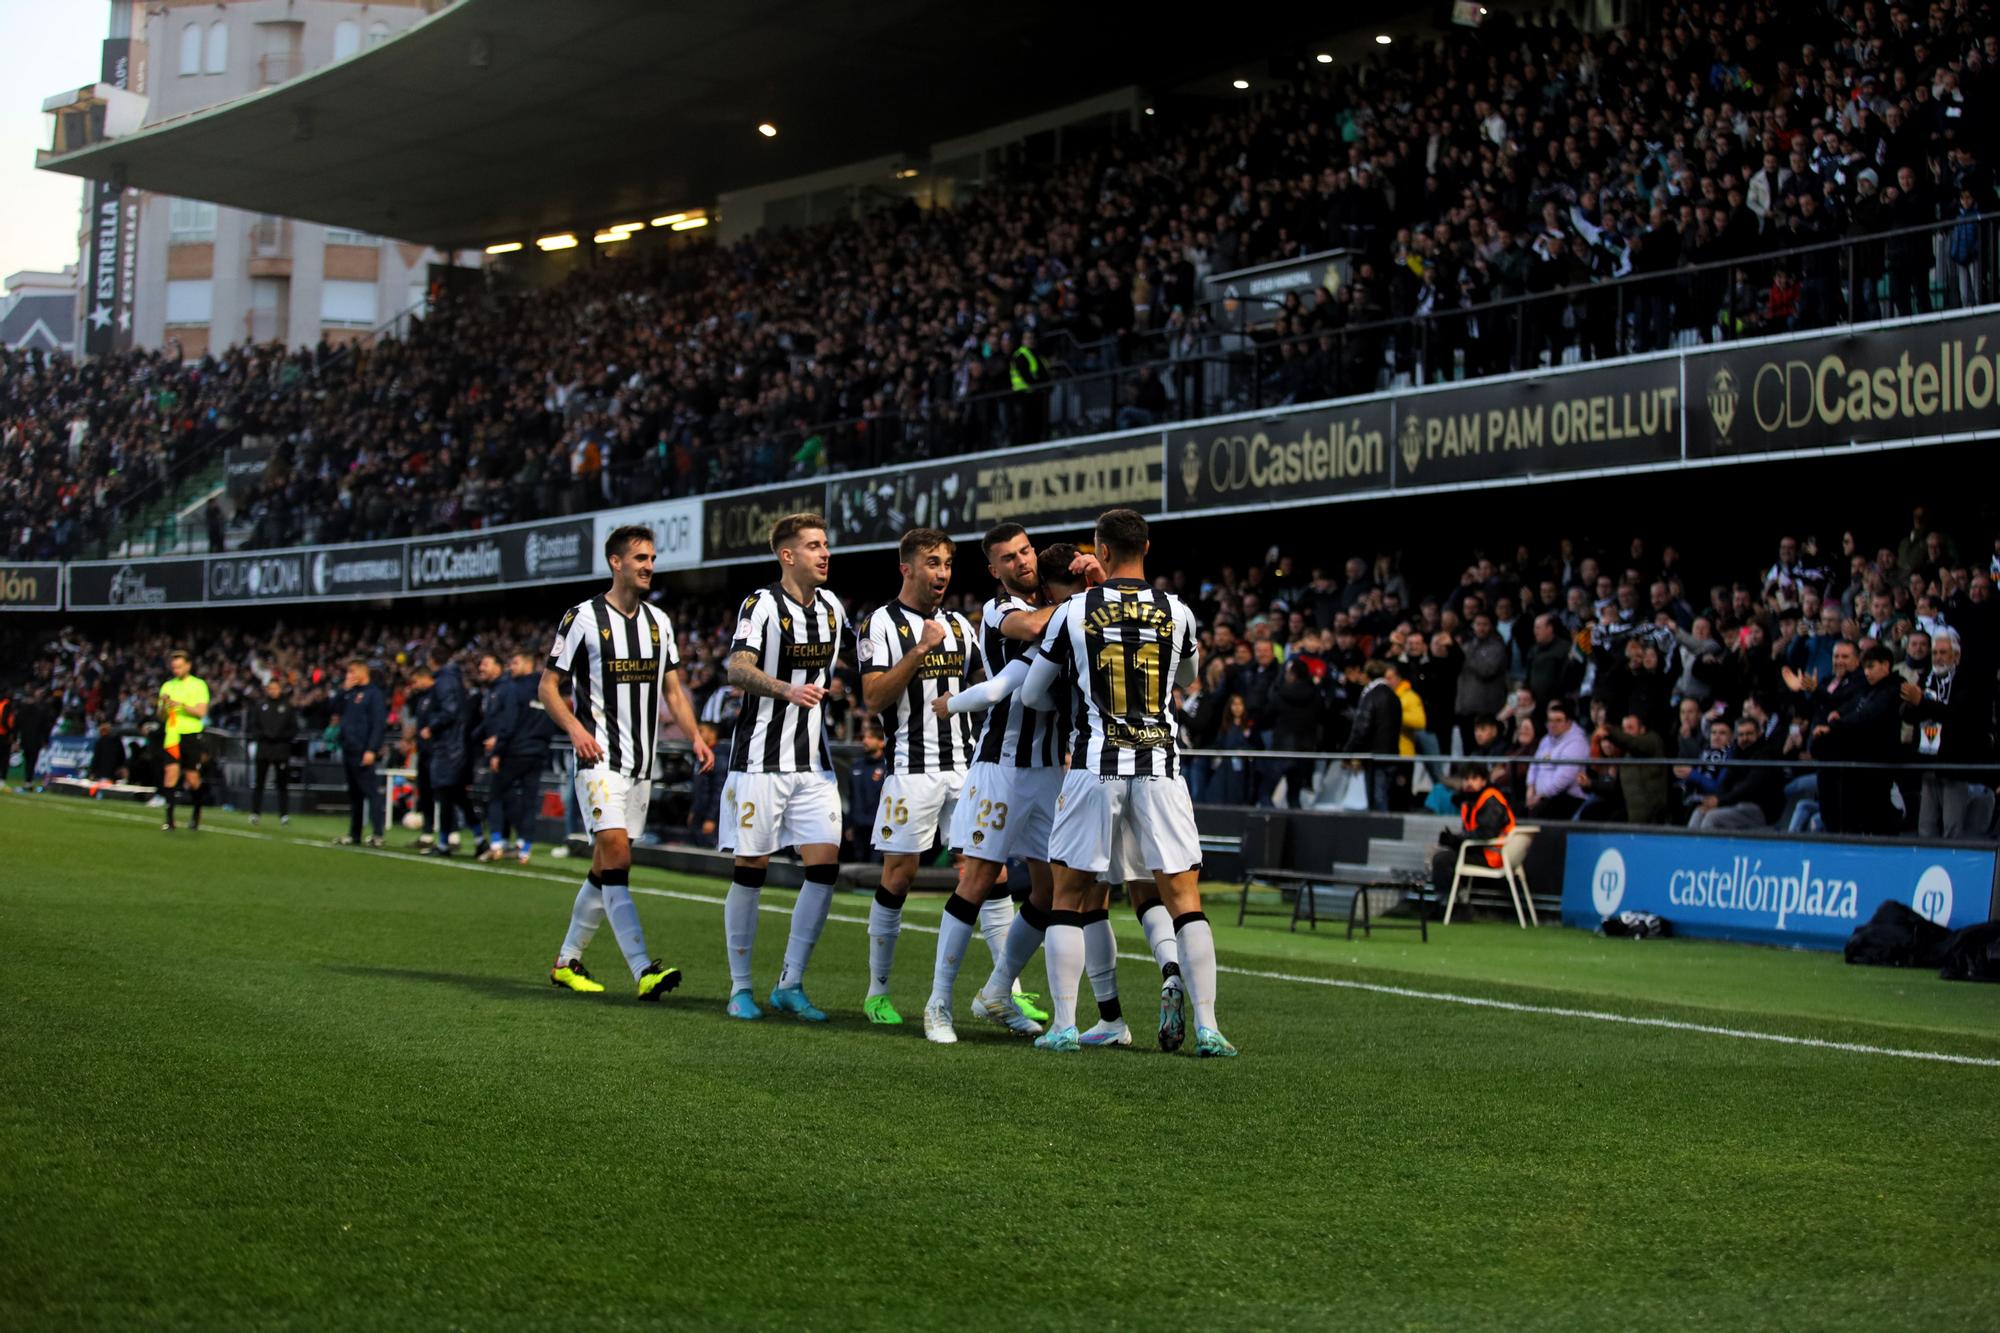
x=1123, y=646
x=619, y=656
x=1010, y=790
x=183, y=707
x=911, y=655
x=781, y=790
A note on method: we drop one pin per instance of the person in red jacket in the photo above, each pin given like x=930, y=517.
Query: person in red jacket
x=1484, y=815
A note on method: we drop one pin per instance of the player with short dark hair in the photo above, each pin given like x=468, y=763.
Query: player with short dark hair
x=781, y=790
x=912, y=654
x=618, y=656
x=183, y=707
x=1123, y=645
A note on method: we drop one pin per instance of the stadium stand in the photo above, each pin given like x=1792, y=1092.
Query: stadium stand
x=1510, y=197
x=1611, y=633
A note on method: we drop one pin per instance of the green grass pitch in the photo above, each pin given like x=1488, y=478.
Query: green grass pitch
x=247, y=1081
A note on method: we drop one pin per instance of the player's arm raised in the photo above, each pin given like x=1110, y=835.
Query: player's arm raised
x=1026, y=626
x=745, y=675
x=681, y=709
x=880, y=688
x=588, y=751
x=1038, y=690
x=979, y=698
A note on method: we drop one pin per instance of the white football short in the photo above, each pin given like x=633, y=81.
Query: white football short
x=610, y=800
x=915, y=808
x=1005, y=812
x=1144, y=821
x=1127, y=866
x=765, y=812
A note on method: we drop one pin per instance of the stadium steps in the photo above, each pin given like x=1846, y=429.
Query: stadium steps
x=159, y=526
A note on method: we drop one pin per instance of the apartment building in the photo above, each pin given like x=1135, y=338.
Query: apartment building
x=205, y=276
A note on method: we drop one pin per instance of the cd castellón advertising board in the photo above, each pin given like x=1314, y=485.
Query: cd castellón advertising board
x=524, y=555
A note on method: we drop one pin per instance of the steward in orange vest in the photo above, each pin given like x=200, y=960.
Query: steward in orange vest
x=1486, y=817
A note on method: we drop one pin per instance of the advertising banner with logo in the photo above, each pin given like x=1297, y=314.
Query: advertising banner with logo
x=1802, y=894
x=676, y=526
x=243, y=468
x=64, y=757
x=738, y=527
x=260, y=576
x=544, y=553
x=113, y=585
x=1050, y=486
x=1936, y=378
x=111, y=250
x=1565, y=421
x=1252, y=296
x=27, y=587
x=350, y=573
x=1317, y=452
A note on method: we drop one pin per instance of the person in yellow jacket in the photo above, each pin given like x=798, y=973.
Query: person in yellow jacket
x=183, y=708
x=1413, y=712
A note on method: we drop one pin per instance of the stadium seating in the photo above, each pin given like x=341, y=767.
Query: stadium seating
x=1482, y=184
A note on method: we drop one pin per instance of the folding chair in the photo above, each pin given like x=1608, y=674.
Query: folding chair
x=1513, y=851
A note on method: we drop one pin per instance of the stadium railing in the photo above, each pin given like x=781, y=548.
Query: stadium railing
x=1845, y=281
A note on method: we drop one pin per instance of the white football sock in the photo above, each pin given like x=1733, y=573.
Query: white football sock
x=1024, y=937
x=584, y=919
x=808, y=920
x=1064, y=946
x=1197, y=939
x=739, y=927
x=995, y=915
x=954, y=938
x=1100, y=956
x=885, y=924
x=1158, y=924
x=624, y=916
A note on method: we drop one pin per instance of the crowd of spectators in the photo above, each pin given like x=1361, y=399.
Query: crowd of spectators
x=1551, y=665
x=1459, y=171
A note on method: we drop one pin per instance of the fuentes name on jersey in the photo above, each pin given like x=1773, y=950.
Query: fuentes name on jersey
x=1123, y=643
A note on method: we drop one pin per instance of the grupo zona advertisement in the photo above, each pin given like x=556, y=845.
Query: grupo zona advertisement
x=1793, y=892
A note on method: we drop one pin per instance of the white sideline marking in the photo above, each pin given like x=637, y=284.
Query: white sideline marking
x=1335, y=983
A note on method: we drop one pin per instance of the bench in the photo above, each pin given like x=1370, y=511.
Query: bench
x=1263, y=849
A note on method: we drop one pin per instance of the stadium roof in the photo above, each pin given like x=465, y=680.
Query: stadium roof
x=499, y=119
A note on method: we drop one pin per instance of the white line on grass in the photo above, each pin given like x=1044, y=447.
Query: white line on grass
x=1335, y=983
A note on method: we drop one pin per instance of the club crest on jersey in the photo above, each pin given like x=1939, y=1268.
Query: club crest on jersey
x=978, y=836
x=656, y=636
x=866, y=650
x=888, y=832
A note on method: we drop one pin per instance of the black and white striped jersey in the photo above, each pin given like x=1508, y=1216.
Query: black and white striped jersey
x=1120, y=646
x=1014, y=734
x=795, y=644
x=618, y=665
x=919, y=740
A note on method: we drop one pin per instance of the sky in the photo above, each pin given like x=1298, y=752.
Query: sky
x=50, y=46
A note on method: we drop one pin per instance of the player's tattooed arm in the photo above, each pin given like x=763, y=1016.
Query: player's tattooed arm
x=745, y=676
